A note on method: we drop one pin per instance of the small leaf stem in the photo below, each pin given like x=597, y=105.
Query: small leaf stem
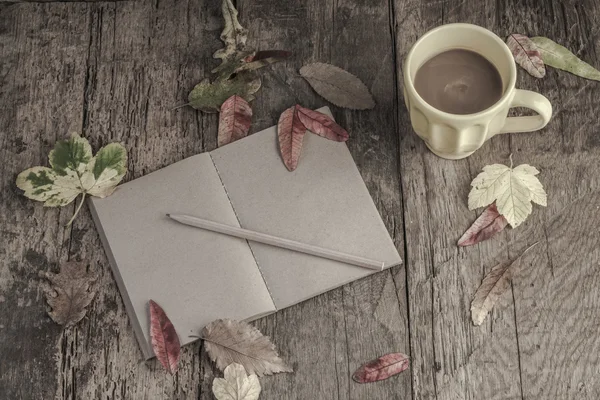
x=77, y=210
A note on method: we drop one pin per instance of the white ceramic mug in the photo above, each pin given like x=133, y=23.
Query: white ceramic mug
x=454, y=136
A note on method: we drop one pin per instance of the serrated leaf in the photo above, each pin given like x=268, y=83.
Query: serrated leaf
x=70, y=292
x=165, y=341
x=381, y=368
x=560, y=57
x=487, y=225
x=526, y=54
x=236, y=385
x=234, y=36
x=74, y=171
x=234, y=120
x=290, y=131
x=228, y=341
x=209, y=97
x=321, y=124
x=512, y=189
x=492, y=287
x=338, y=86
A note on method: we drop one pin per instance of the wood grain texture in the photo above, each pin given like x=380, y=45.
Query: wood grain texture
x=115, y=71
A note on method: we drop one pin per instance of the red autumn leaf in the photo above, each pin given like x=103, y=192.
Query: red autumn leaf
x=487, y=225
x=382, y=368
x=234, y=121
x=291, y=133
x=321, y=124
x=165, y=341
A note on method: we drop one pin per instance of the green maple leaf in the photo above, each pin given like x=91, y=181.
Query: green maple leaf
x=75, y=172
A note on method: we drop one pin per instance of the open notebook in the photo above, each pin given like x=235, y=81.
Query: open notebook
x=198, y=276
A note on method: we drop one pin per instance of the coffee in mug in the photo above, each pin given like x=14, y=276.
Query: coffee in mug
x=459, y=81
x=455, y=108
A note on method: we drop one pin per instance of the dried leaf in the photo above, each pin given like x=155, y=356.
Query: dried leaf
x=70, y=292
x=234, y=121
x=165, y=341
x=338, y=86
x=228, y=341
x=512, y=189
x=279, y=55
x=290, y=131
x=236, y=385
x=526, y=54
x=321, y=124
x=209, y=97
x=381, y=368
x=75, y=172
x=234, y=36
x=493, y=286
x=487, y=225
x=262, y=59
x=559, y=57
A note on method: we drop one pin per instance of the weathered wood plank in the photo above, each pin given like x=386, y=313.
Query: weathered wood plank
x=455, y=359
x=336, y=332
x=556, y=298
x=143, y=59
x=43, y=52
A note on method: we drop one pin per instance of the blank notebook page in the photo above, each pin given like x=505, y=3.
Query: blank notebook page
x=196, y=276
x=324, y=202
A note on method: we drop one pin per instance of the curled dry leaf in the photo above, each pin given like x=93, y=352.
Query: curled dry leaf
x=234, y=120
x=236, y=385
x=338, y=86
x=321, y=124
x=381, y=368
x=228, y=341
x=290, y=131
x=70, y=292
x=278, y=55
x=262, y=59
x=560, y=57
x=526, y=54
x=209, y=97
x=75, y=172
x=487, y=225
x=493, y=286
x=513, y=189
x=234, y=36
x=165, y=341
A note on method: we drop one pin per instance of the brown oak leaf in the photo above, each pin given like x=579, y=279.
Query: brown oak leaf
x=70, y=292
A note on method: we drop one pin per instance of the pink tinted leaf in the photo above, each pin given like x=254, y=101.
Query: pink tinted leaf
x=165, y=341
x=321, y=124
x=290, y=131
x=526, y=54
x=381, y=368
x=487, y=225
x=234, y=120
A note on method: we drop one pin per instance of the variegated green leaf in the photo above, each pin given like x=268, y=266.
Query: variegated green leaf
x=74, y=171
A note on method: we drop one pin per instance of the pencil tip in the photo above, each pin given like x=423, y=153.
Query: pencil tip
x=169, y=215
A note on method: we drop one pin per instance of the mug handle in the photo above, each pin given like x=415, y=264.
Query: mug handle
x=533, y=101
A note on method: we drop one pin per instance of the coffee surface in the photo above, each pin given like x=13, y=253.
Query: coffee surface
x=459, y=82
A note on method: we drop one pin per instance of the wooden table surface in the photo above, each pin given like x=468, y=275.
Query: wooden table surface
x=115, y=70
